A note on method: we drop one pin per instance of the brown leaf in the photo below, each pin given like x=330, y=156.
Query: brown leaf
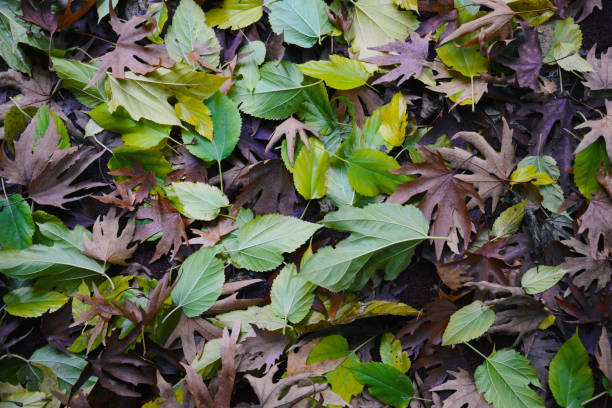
x=268, y=188
x=495, y=22
x=603, y=354
x=363, y=99
x=599, y=127
x=296, y=362
x=518, y=315
x=260, y=347
x=231, y=303
x=597, y=220
x=283, y=393
x=186, y=329
x=529, y=64
x=443, y=190
x=46, y=171
x=124, y=196
x=465, y=391
x=165, y=219
x=200, y=50
x=44, y=16
x=140, y=59
x=214, y=233
x=489, y=174
x=540, y=348
x=590, y=267
x=290, y=128
x=193, y=169
x=601, y=76
x=107, y=245
x=459, y=87
x=428, y=327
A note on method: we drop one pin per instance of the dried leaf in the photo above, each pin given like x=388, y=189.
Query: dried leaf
x=290, y=128
x=185, y=330
x=214, y=233
x=597, y=221
x=363, y=100
x=427, y=327
x=465, y=391
x=599, y=127
x=529, y=64
x=44, y=16
x=603, y=354
x=601, y=77
x=591, y=267
x=260, y=347
x=296, y=362
x=106, y=243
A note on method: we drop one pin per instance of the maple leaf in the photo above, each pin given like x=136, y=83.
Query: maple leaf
x=518, y=315
x=444, y=191
x=46, y=171
x=107, y=245
x=465, y=391
x=260, y=347
x=268, y=187
x=603, y=355
x=200, y=50
x=458, y=87
x=408, y=55
x=140, y=59
x=497, y=21
x=592, y=266
x=601, y=76
x=290, y=128
x=193, y=169
x=600, y=127
x=360, y=98
x=124, y=196
x=214, y=233
x=166, y=219
x=44, y=16
x=185, y=330
x=597, y=221
x=489, y=175
x=296, y=361
x=529, y=64
x=587, y=7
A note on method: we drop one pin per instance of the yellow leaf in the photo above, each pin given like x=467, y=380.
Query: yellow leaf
x=394, y=120
x=194, y=112
x=529, y=174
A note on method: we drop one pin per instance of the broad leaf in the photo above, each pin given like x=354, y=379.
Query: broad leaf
x=540, y=278
x=200, y=282
x=465, y=59
x=16, y=224
x=509, y=221
x=309, y=171
x=30, y=302
x=339, y=72
x=194, y=112
x=566, y=43
x=391, y=353
x=368, y=172
x=302, y=22
x=291, y=296
x=235, y=14
x=394, y=120
x=199, y=201
x=468, y=323
x=587, y=165
x=571, y=378
x=253, y=55
x=388, y=384
x=75, y=76
x=67, y=367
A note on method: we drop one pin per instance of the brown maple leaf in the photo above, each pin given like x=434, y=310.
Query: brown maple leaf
x=186, y=329
x=43, y=14
x=107, y=245
x=193, y=168
x=363, y=99
x=140, y=59
x=599, y=127
x=260, y=347
x=443, y=190
x=291, y=128
x=456, y=85
x=409, y=56
x=601, y=76
x=124, y=196
x=519, y=315
x=597, y=221
x=213, y=234
x=46, y=171
x=267, y=187
x=166, y=219
x=603, y=355
x=465, y=392
x=231, y=302
x=489, y=174
x=591, y=267
x=200, y=50
x=529, y=64
x=497, y=21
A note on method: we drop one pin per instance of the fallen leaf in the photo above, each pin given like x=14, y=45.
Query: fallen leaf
x=290, y=128
x=529, y=64
x=260, y=347
x=186, y=329
x=363, y=100
x=125, y=196
x=44, y=15
x=597, y=221
x=213, y=234
x=106, y=243
x=599, y=127
x=603, y=354
x=601, y=77
x=518, y=315
x=296, y=362
x=428, y=326
x=591, y=267
x=465, y=391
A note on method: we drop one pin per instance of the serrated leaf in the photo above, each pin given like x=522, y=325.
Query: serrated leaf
x=194, y=112
x=67, y=367
x=75, y=76
x=16, y=224
x=587, y=164
x=468, y=323
x=565, y=46
x=368, y=172
x=338, y=72
x=235, y=14
x=504, y=380
x=200, y=282
x=261, y=316
x=391, y=353
x=386, y=383
x=309, y=171
x=302, y=22
x=466, y=60
x=571, y=378
x=30, y=302
x=541, y=278
x=199, y=201
x=291, y=296
x=262, y=241
x=509, y=221
x=253, y=55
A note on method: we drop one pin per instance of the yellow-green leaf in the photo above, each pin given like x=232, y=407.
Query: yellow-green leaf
x=194, y=112
x=30, y=302
x=509, y=221
x=394, y=120
x=235, y=14
x=391, y=353
x=529, y=174
x=309, y=170
x=339, y=72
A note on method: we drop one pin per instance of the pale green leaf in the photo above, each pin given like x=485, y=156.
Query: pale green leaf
x=309, y=170
x=543, y=164
x=570, y=378
x=200, y=282
x=509, y=221
x=253, y=55
x=541, y=278
x=235, y=14
x=391, y=353
x=67, y=367
x=338, y=72
x=386, y=383
x=75, y=76
x=12, y=32
x=291, y=296
x=468, y=323
x=16, y=225
x=261, y=316
x=199, y=201
x=369, y=175
x=316, y=110
x=587, y=164
x=194, y=112
x=565, y=47
x=30, y=302
x=26, y=399
x=302, y=22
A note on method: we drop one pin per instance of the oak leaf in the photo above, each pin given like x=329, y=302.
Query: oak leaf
x=291, y=128
x=260, y=347
x=125, y=196
x=601, y=76
x=591, y=267
x=106, y=243
x=599, y=127
x=518, y=315
x=465, y=391
x=296, y=362
x=443, y=190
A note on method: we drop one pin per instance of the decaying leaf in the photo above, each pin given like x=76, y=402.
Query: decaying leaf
x=260, y=347
x=597, y=221
x=296, y=362
x=291, y=128
x=601, y=77
x=125, y=196
x=107, y=244
x=428, y=326
x=44, y=15
x=465, y=391
x=604, y=355
x=214, y=233
x=363, y=100
x=185, y=330
x=529, y=64
x=599, y=127
x=591, y=267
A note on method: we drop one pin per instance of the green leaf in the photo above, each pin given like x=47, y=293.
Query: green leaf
x=16, y=225
x=541, y=278
x=199, y=201
x=310, y=169
x=144, y=134
x=291, y=296
x=504, y=380
x=194, y=112
x=339, y=72
x=277, y=94
x=468, y=323
x=565, y=47
x=386, y=383
x=543, y=164
x=30, y=302
x=383, y=237
x=67, y=367
x=227, y=124
x=235, y=14
x=201, y=279
x=316, y=110
x=391, y=353
x=570, y=377
x=302, y=22
x=587, y=165
x=27, y=399
x=59, y=234
x=378, y=22
x=262, y=241
x=261, y=316
x=13, y=32
x=102, y=8
x=466, y=60
x=75, y=76
x=248, y=66
x=188, y=31
x=509, y=221
x=368, y=172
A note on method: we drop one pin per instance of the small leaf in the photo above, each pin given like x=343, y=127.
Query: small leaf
x=587, y=164
x=541, y=278
x=291, y=296
x=309, y=171
x=571, y=378
x=566, y=43
x=386, y=383
x=199, y=201
x=394, y=120
x=194, y=112
x=30, y=302
x=391, y=353
x=16, y=224
x=368, y=172
x=339, y=72
x=529, y=174
x=509, y=221
x=468, y=323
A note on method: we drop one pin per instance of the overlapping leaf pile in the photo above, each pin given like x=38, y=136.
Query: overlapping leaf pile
x=292, y=203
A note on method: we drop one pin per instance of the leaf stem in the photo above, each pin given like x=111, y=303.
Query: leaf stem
x=476, y=351
x=305, y=209
x=363, y=344
x=220, y=176
x=594, y=398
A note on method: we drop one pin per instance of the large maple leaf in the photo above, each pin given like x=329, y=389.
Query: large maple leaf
x=489, y=174
x=443, y=190
x=46, y=171
x=107, y=244
x=465, y=391
x=599, y=127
